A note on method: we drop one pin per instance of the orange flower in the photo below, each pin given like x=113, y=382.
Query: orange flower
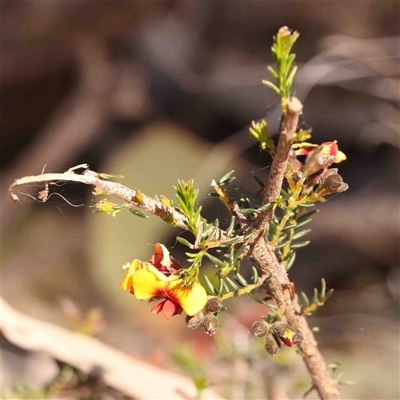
x=146, y=281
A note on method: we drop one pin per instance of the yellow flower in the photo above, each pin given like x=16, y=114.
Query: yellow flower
x=150, y=283
x=146, y=281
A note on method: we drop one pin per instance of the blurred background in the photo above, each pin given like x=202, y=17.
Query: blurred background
x=165, y=90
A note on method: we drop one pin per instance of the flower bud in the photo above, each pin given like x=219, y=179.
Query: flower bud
x=272, y=345
x=296, y=176
x=334, y=184
x=317, y=160
x=210, y=324
x=195, y=321
x=285, y=332
x=214, y=304
x=260, y=328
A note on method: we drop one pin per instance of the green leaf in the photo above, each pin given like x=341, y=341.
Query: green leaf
x=226, y=288
x=299, y=245
x=227, y=178
x=248, y=211
x=282, y=238
x=307, y=205
x=305, y=299
x=281, y=245
x=249, y=234
x=254, y=275
x=289, y=81
x=268, y=278
x=239, y=252
x=240, y=280
x=231, y=226
x=285, y=194
x=230, y=242
x=196, y=218
x=211, y=288
x=259, y=181
x=306, y=217
x=287, y=227
x=215, y=260
x=118, y=207
x=221, y=286
x=258, y=192
x=138, y=213
x=329, y=293
x=289, y=63
x=256, y=298
x=300, y=234
x=233, y=284
x=183, y=241
x=272, y=307
x=272, y=86
x=232, y=256
x=323, y=287
x=110, y=177
x=315, y=296
x=215, y=231
x=273, y=72
x=304, y=222
x=290, y=261
x=265, y=207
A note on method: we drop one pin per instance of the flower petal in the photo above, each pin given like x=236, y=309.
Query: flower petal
x=340, y=156
x=150, y=282
x=161, y=257
x=130, y=269
x=170, y=309
x=158, y=307
x=191, y=298
x=304, y=148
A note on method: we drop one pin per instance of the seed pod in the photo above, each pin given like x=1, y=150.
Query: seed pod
x=272, y=344
x=195, y=321
x=214, y=304
x=210, y=324
x=260, y=328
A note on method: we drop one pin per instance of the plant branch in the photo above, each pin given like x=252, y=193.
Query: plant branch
x=278, y=167
x=264, y=254
x=88, y=177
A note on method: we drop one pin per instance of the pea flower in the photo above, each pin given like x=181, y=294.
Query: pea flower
x=285, y=332
x=163, y=261
x=328, y=148
x=149, y=281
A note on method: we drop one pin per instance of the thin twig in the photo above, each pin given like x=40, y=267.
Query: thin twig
x=133, y=197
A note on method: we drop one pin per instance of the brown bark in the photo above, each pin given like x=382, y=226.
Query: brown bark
x=280, y=285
